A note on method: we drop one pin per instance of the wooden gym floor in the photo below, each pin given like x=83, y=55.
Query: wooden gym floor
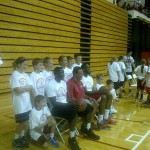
x=132, y=131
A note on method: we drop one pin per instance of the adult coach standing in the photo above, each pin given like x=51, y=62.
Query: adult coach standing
x=130, y=66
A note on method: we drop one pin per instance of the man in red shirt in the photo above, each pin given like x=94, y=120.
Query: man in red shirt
x=77, y=96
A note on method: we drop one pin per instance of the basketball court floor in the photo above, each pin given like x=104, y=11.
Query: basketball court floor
x=132, y=131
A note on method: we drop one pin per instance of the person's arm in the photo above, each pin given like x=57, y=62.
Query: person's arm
x=70, y=93
x=91, y=92
x=118, y=69
x=23, y=89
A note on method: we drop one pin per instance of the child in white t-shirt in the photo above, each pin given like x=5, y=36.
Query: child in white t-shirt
x=147, y=86
x=48, y=74
x=63, y=63
x=104, y=105
x=37, y=77
x=114, y=73
x=70, y=66
x=78, y=60
x=122, y=73
x=110, y=86
x=41, y=120
x=21, y=87
x=141, y=71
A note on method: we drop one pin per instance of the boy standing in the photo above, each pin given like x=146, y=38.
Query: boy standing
x=37, y=77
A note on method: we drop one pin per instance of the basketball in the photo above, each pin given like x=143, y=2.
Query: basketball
x=103, y=90
x=81, y=106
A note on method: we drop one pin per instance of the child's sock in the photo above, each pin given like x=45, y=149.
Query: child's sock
x=72, y=134
x=100, y=118
x=88, y=126
x=106, y=115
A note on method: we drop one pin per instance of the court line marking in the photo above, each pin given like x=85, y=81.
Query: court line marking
x=130, y=136
x=5, y=107
x=146, y=122
x=140, y=141
x=105, y=143
x=133, y=120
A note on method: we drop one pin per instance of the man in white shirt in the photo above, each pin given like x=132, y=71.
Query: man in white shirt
x=103, y=103
x=129, y=62
x=56, y=91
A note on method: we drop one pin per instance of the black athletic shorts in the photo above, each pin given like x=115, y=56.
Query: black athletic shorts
x=65, y=110
x=23, y=117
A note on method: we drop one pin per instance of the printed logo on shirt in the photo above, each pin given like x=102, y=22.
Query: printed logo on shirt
x=22, y=81
x=40, y=85
x=49, y=79
x=43, y=118
x=61, y=92
x=88, y=86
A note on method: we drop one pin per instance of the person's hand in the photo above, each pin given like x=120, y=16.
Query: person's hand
x=92, y=100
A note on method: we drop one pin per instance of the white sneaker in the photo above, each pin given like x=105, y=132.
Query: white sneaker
x=113, y=110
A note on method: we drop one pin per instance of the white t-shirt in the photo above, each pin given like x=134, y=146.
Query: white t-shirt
x=38, y=82
x=98, y=86
x=113, y=93
x=113, y=69
x=122, y=70
x=21, y=102
x=77, y=65
x=129, y=61
x=138, y=72
x=148, y=77
x=88, y=83
x=36, y=118
x=68, y=74
x=58, y=90
x=48, y=75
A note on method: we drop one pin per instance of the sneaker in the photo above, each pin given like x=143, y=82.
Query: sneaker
x=110, y=121
x=113, y=110
x=90, y=134
x=17, y=144
x=24, y=141
x=104, y=126
x=53, y=142
x=72, y=144
x=94, y=126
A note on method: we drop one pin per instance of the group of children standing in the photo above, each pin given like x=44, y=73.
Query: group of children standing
x=31, y=105
x=124, y=69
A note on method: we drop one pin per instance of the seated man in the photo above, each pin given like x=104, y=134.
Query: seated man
x=77, y=96
x=56, y=91
x=104, y=100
